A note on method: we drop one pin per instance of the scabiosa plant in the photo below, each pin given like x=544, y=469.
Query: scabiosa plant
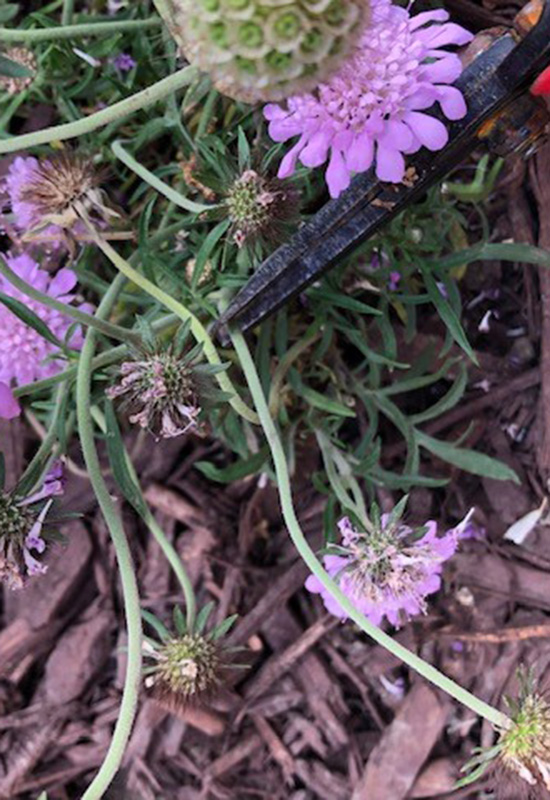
x=189, y=665
x=22, y=520
x=266, y=49
x=26, y=356
x=49, y=197
x=24, y=57
x=163, y=387
x=371, y=110
x=260, y=208
x=518, y=766
x=387, y=570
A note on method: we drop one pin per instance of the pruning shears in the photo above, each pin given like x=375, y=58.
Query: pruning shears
x=503, y=86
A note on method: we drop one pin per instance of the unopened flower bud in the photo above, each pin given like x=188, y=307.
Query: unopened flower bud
x=260, y=208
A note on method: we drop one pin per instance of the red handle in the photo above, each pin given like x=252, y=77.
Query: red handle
x=541, y=86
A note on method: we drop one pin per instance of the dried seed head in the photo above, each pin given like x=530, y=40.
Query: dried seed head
x=258, y=50
x=59, y=184
x=160, y=394
x=260, y=208
x=27, y=59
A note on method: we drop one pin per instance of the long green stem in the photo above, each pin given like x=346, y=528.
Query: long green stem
x=197, y=328
x=128, y=706
x=68, y=12
x=149, y=177
x=114, y=331
x=165, y=545
x=123, y=108
x=411, y=659
x=85, y=29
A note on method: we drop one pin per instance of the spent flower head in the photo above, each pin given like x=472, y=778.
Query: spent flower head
x=25, y=356
x=25, y=58
x=266, y=49
x=518, y=766
x=372, y=109
x=189, y=665
x=22, y=521
x=164, y=387
x=50, y=197
x=387, y=570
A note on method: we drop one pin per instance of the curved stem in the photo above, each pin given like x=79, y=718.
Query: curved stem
x=85, y=29
x=155, y=529
x=128, y=706
x=113, y=331
x=123, y=108
x=411, y=659
x=149, y=177
x=197, y=328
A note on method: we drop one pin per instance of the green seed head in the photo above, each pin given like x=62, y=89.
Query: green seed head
x=14, y=522
x=260, y=50
x=188, y=667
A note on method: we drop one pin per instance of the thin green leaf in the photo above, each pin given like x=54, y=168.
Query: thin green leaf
x=447, y=314
x=448, y=401
x=13, y=69
x=224, y=626
x=468, y=460
x=179, y=621
x=234, y=472
x=30, y=318
x=202, y=617
x=159, y=627
x=119, y=464
x=206, y=249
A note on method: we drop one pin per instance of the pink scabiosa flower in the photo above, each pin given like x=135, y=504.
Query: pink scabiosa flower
x=389, y=570
x=22, y=521
x=24, y=355
x=371, y=111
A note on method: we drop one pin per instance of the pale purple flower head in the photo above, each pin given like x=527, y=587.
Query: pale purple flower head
x=9, y=406
x=387, y=572
x=24, y=355
x=371, y=111
x=22, y=521
x=124, y=62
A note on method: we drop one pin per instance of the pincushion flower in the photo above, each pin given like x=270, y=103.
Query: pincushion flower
x=373, y=110
x=388, y=571
x=22, y=520
x=24, y=355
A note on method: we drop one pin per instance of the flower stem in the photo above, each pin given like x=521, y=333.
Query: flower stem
x=128, y=706
x=85, y=29
x=68, y=12
x=166, y=546
x=197, y=328
x=279, y=460
x=149, y=177
x=123, y=108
